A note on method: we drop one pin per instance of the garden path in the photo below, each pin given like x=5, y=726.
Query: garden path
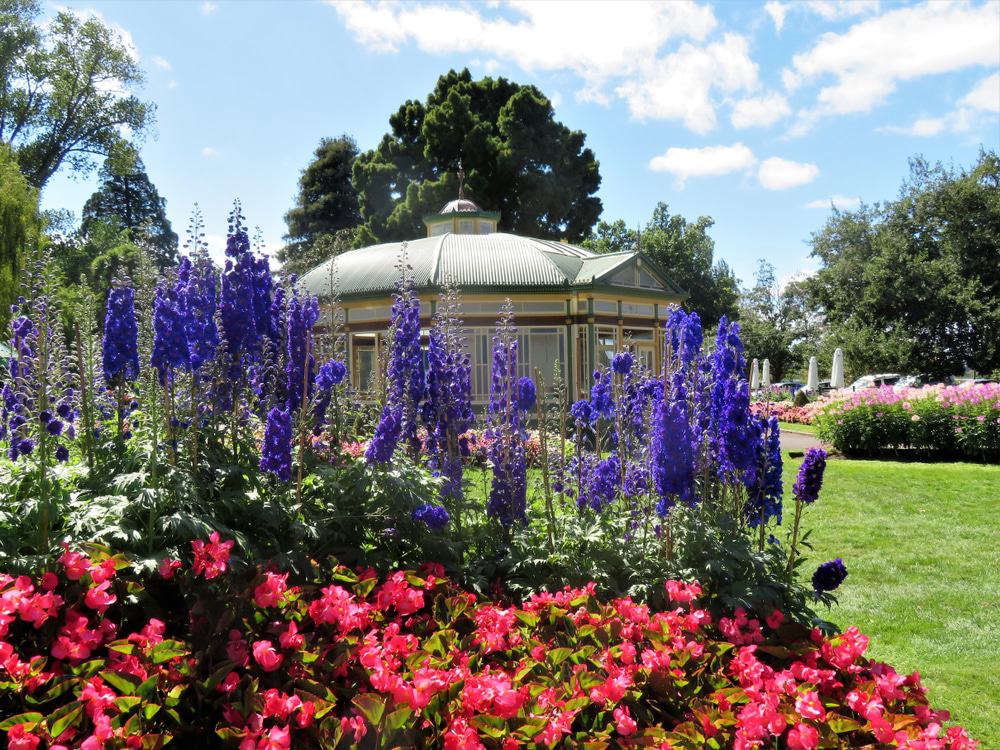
x=798, y=441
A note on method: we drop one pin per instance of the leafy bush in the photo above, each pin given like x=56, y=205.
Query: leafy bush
x=961, y=421
x=209, y=658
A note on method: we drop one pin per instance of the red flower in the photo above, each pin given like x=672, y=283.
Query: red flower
x=229, y=683
x=684, y=593
x=277, y=738
x=803, y=737
x=624, y=723
x=265, y=654
x=74, y=563
x=99, y=597
x=49, y=581
x=774, y=619
x=167, y=568
x=809, y=706
x=291, y=638
x=355, y=725
x=398, y=593
x=271, y=592
x=103, y=572
x=460, y=736
x=211, y=558
x=19, y=739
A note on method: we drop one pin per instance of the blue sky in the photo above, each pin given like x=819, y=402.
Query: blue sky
x=754, y=114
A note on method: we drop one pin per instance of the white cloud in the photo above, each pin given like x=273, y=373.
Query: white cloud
x=759, y=111
x=973, y=110
x=780, y=174
x=172, y=84
x=614, y=48
x=828, y=10
x=841, y=202
x=985, y=96
x=870, y=59
x=777, y=13
x=161, y=63
x=924, y=127
x=208, y=8
x=832, y=10
x=709, y=161
x=680, y=85
x=209, y=153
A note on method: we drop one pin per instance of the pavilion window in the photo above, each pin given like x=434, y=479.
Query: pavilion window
x=607, y=344
x=364, y=361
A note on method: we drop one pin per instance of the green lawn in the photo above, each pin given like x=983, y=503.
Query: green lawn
x=920, y=544
x=796, y=427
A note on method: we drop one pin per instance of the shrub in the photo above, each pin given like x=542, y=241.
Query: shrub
x=954, y=421
x=412, y=661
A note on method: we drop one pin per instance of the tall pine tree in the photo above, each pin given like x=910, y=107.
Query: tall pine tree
x=325, y=210
x=518, y=159
x=127, y=197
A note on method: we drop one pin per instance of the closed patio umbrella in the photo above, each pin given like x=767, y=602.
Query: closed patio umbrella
x=837, y=376
x=812, y=382
x=765, y=378
x=754, y=375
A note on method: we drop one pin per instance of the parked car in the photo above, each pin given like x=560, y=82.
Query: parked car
x=875, y=381
x=790, y=385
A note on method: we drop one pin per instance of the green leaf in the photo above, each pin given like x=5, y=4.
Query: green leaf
x=558, y=655
x=167, y=650
x=123, y=683
x=30, y=720
x=371, y=707
x=63, y=718
x=127, y=702
x=841, y=724
x=398, y=719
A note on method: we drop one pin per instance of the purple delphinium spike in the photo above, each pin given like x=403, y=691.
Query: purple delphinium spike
x=405, y=378
x=508, y=494
x=276, y=450
x=829, y=575
x=120, y=344
x=810, y=477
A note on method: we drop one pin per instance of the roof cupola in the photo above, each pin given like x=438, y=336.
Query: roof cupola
x=461, y=216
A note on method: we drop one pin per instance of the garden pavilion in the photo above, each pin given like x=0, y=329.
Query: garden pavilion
x=570, y=305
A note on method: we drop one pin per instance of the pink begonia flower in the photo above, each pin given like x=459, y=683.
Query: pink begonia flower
x=99, y=597
x=265, y=654
x=229, y=683
x=211, y=558
x=271, y=592
x=809, y=706
x=168, y=567
x=20, y=739
x=624, y=723
x=774, y=619
x=49, y=581
x=291, y=638
x=803, y=737
x=74, y=563
x=103, y=572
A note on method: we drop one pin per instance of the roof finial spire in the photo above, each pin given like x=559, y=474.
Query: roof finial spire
x=461, y=181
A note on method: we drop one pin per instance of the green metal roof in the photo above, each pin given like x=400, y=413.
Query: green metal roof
x=495, y=261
